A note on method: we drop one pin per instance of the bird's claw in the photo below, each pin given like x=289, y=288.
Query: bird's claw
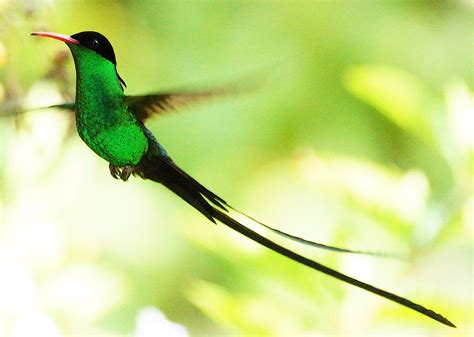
x=114, y=171
x=122, y=173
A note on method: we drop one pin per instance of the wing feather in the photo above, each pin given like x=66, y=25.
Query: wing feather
x=145, y=106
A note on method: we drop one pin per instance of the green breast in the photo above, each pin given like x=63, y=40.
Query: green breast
x=103, y=122
x=120, y=144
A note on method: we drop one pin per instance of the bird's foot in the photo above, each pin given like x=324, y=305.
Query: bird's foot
x=121, y=172
x=114, y=171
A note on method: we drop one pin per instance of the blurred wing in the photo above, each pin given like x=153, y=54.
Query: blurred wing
x=146, y=106
x=64, y=106
x=15, y=110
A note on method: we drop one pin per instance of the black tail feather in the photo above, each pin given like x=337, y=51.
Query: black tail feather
x=163, y=170
x=235, y=225
x=313, y=243
x=166, y=172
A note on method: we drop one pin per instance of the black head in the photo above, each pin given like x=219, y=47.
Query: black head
x=91, y=40
x=96, y=42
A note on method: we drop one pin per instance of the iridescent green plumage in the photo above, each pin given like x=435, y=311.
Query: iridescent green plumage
x=104, y=122
x=111, y=124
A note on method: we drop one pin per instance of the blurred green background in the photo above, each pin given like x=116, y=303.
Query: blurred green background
x=362, y=136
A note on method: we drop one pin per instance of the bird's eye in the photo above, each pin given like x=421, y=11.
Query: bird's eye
x=95, y=44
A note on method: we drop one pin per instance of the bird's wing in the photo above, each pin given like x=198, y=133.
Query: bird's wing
x=11, y=110
x=145, y=106
x=64, y=106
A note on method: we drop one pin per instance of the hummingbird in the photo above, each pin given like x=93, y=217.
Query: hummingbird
x=112, y=125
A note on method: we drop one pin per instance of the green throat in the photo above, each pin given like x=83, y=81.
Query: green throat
x=103, y=121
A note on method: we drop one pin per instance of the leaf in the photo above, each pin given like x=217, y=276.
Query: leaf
x=396, y=94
